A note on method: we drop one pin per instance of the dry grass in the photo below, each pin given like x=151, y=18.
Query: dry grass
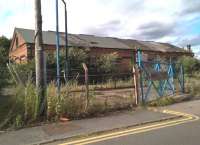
x=73, y=104
x=192, y=85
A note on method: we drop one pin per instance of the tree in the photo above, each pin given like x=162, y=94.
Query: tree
x=190, y=64
x=4, y=50
x=76, y=57
x=107, y=63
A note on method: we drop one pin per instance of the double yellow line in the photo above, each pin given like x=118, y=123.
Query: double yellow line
x=184, y=118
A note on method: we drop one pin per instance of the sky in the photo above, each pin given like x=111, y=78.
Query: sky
x=172, y=21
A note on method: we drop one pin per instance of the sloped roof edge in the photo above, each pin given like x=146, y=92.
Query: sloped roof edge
x=49, y=38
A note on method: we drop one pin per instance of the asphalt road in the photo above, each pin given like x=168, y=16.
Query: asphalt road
x=182, y=134
x=187, y=133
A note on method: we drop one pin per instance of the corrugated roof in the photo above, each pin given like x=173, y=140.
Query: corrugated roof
x=102, y=42
x=152, y=46
x=49, y=37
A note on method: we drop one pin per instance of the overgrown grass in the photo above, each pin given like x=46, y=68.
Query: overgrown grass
x=109, y=84
x=192, y=85
x=164, y=101
x=73, y=105
x=68, y=104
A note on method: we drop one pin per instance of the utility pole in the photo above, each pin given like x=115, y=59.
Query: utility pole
x=39, y=60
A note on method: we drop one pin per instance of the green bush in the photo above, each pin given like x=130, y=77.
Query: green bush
x=70, y=104
x=164, y=101
x=24, y=70
x=52, y=101
x=190, y=64
x=4, y=77
x=76, y=56
x=24, y=107
x=4, y=50
x=107, y=63
x=192, y=85
x=31, y=102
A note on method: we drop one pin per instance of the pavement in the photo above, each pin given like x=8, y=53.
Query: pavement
x=187, y=133
x=57, y=131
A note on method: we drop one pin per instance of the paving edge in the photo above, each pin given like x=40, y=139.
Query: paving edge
x=109, y=130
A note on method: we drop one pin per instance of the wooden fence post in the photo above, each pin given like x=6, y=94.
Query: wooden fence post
x=86, y=85
x=136, y=86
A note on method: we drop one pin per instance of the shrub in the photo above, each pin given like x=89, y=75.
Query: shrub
x=107, y=63
x=164, y=101
x=27, y=102
x=24, y=70
x=70, y=104
x=192, y=85
x=52, y=101
x=3, y=77
x=190, y=64
x=4, y=50
x=73, y=105
x=76, y=56
x=31, y=102
x=18, y=121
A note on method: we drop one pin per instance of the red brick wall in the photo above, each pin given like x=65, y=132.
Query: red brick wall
x=22, y=53
x=18, y=53
x=47, y=48
x=125, y=55
x=99, y=51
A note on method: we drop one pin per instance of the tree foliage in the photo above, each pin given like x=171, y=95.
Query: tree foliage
x=76, y=56
x=107, y=63
x=190, y=64
x=4, y=50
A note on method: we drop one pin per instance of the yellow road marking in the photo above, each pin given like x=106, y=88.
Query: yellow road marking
x=188, y=117
x=131, y=133
x=126, y=131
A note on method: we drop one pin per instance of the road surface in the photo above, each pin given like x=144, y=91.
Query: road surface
x=184, y=133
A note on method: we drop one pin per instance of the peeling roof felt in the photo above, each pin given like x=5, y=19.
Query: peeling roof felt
x=81, y=40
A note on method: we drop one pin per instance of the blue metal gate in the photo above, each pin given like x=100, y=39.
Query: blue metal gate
x=159, y=79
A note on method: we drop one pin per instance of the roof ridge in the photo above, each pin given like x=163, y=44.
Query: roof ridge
x=103, y=42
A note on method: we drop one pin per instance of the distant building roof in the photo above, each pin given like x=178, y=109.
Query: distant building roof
x=83, y=40
x=152, y=46
x=48, y=36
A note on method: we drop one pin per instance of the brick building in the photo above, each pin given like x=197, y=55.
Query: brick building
x=22, y=46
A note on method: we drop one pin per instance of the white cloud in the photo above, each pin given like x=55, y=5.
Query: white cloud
x=172, y=17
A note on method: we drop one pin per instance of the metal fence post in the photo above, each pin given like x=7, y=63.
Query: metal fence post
x=136, y=86
x=86, y=85
x=182, y=79
x=57, y=51
x=139, y=61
